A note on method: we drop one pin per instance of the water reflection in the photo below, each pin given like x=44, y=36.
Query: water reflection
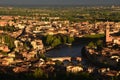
x=65, y=51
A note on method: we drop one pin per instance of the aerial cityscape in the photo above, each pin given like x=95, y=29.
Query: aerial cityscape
x=60, y=40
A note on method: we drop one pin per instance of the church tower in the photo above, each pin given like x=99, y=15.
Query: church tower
x=107, y=33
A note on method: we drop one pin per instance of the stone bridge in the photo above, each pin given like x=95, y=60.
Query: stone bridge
x=61, y=58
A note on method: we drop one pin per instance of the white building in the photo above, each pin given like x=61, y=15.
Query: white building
x=37, y=44
x=74, y=69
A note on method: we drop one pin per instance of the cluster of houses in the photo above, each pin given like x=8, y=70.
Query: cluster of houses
x=109, y=55
x=21, y=58
x=108, y=60
x=113, y=38
x=77, y=29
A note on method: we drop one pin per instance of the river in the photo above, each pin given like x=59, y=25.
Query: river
x=65, y=51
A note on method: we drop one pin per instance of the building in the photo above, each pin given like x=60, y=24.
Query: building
x=3, y=22
x=74, y=69
x=37, y=44
x=112, y=38
x=4, y=48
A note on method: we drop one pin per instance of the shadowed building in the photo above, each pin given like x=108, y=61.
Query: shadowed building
x=112, y=38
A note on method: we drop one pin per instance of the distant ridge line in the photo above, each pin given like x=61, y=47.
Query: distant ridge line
x=37, y=6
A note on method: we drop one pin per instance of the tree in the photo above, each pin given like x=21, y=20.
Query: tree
x=56, y=42
x=49, y=39
x=99, y=45
x=70, y=39
x=38, y=73
x=9, y=41
x=64, y=39
x=91, y=45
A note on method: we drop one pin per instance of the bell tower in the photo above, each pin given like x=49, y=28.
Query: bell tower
x=107, y=33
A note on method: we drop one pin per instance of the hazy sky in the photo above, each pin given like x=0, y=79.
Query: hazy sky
x=59, y=2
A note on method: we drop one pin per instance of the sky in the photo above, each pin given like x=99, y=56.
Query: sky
x=59, y=2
